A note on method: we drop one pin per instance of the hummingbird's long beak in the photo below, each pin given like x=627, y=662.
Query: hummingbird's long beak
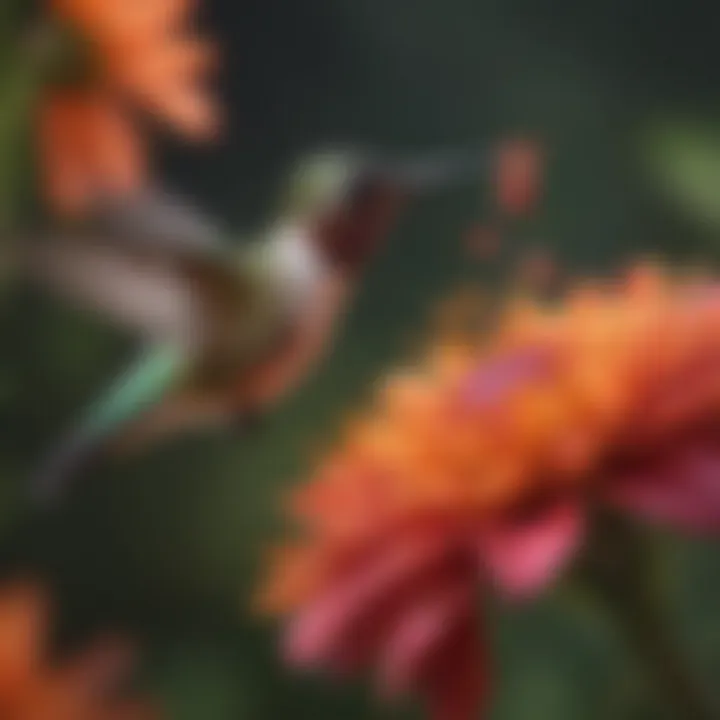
x=434, y=172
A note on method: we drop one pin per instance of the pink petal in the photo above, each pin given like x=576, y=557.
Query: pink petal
x=320, y=632
x=524, y=555
x=360, y=645
x=490, y=384
x=420, y=632
x=683, y=491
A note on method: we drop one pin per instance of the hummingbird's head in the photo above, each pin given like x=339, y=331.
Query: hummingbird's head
x=320, y=184
x=343, y=202
x=330, y=180
x=349, y=200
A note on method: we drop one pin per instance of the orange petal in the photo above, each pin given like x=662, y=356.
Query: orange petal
x=23, y=624
x=118, y=157
x=167, y=80
x=63, y=132
x=123, y=22
x=191, y=111
x=88, y=146
x=177, y=61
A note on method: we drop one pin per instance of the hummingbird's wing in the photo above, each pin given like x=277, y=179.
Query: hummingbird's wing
x=157, y=219
x=205, y=313
x=153, y=267
x=142, y=386
x=136, y=291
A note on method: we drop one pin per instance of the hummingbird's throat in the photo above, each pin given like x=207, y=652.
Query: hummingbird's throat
x=350, y=237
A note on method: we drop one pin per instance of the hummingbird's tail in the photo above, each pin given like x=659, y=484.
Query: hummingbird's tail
x=139, y=388
x=64, y=465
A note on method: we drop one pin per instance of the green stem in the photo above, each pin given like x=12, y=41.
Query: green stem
x=617, y=571
x=25, y=64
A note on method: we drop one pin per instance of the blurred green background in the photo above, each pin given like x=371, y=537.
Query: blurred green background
x=166, y=545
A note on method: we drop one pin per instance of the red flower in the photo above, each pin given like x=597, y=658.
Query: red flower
x=478, y=469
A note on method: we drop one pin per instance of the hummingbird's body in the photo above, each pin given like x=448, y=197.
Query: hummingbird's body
x=282, y=325
x=226, y=338
x=228, y=330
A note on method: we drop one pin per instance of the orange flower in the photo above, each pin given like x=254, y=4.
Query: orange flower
x=33, y=687
x=88, y=144
x=141, y=58
x=478, y=467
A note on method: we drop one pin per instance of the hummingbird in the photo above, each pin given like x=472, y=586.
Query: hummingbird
x=227, y=330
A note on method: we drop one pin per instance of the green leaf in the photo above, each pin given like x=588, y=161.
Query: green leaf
x=684, y=160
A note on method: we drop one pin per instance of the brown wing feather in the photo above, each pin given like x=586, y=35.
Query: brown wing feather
x=181, y=298
x=135, y=290
x=159, y=220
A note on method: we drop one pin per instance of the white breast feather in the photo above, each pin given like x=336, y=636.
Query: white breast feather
x=298, y=265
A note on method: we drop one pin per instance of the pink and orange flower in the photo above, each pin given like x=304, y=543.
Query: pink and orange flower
x=482, y=467
x=140, y=57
